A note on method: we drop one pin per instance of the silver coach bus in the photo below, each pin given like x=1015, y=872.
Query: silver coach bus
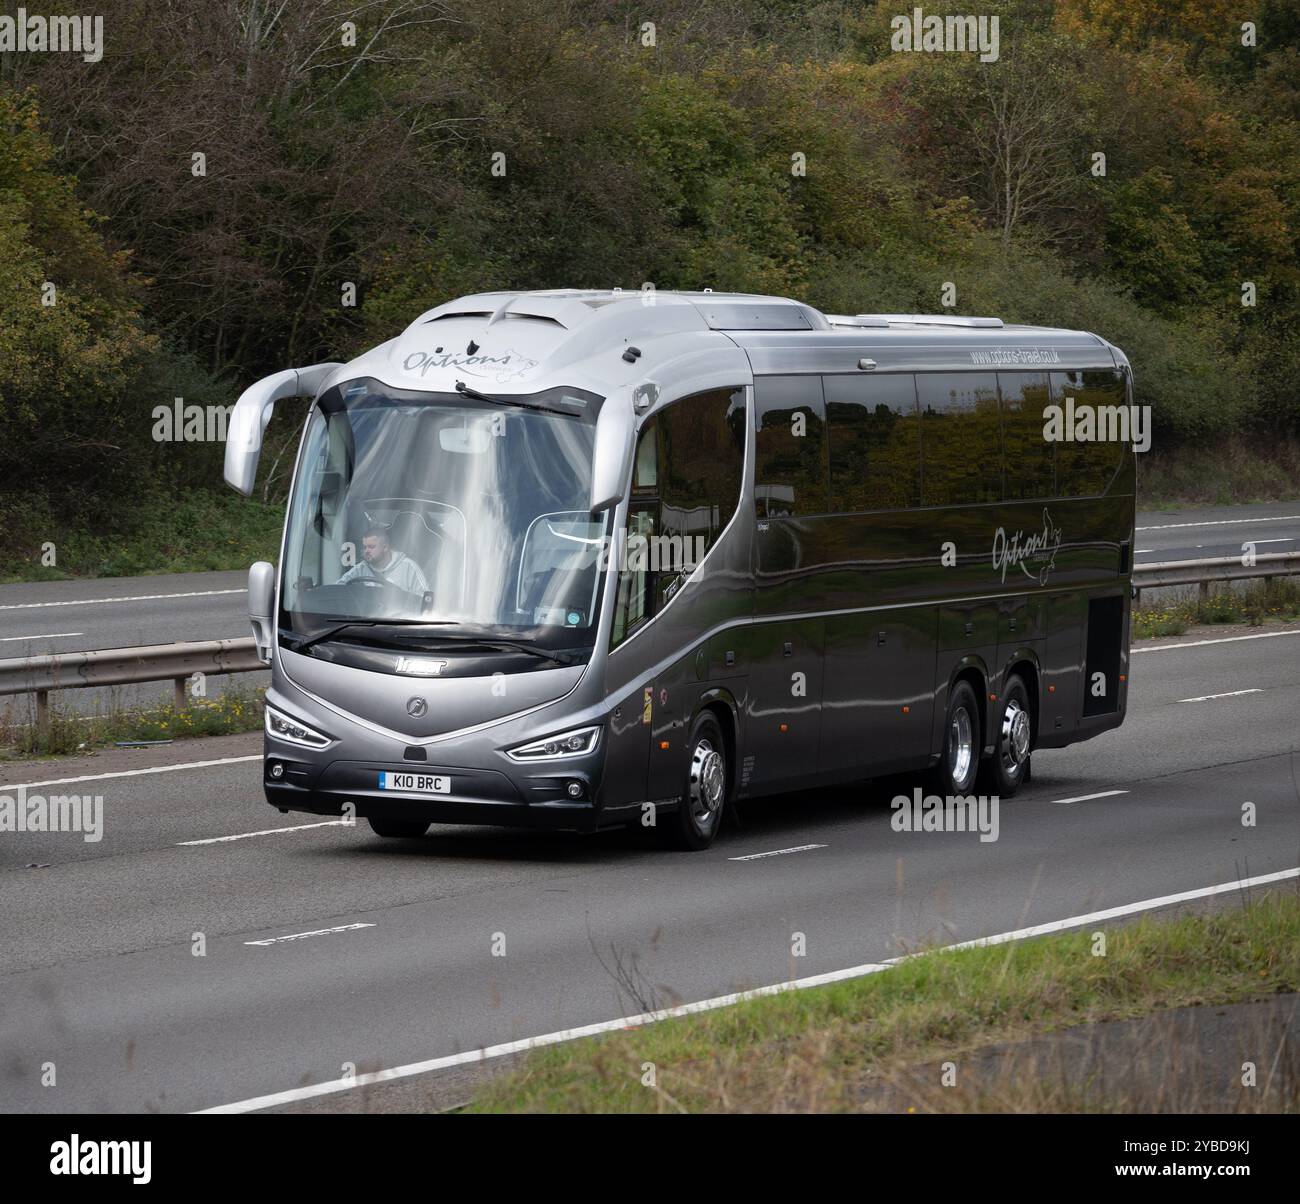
x=579, y=559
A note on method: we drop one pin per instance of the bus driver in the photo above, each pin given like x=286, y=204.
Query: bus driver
x=382, y=562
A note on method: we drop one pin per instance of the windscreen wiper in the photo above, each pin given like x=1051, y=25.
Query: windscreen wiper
x=491, y=641
x=302, y=643
x=559, y=658
x=465, y=391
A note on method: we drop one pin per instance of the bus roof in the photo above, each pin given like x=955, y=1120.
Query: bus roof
x=512, y=343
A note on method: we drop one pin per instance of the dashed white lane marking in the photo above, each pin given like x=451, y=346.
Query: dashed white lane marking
x=49, y=635
x=329, y=823
x=799, y=848
x=1227, y=639
x=302, y=936
x=1228, y=694
x=132, y=773
x=1083, y=798
x=198, y=593
x=708, y=1005
x=1223, y=522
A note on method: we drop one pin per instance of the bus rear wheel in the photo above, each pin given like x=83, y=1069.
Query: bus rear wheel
x=958, y=765
x=1008, y=768
x=704, y=796
x=400, y=828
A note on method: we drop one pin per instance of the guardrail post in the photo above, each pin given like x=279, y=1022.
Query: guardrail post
x=1203, y=591
x=43, y=713
x=178, y=697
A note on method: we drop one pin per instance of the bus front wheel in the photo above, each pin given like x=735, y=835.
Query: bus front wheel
x=704, y=796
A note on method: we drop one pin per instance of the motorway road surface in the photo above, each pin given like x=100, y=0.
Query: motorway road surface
x=98, y=976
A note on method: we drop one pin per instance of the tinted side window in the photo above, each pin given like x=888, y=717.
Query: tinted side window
x=874, y=432
x=1090, y=404
x=701, y=462
x=961, y=441
x=702, y=458
x=686, y=484
x=1029, y=462
x=790, y=464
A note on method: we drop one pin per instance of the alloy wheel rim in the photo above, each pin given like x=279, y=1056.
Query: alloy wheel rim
x=961, y=750
x=1015, y=737
x=707, y=784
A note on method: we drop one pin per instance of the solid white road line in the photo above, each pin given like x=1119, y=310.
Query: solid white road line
x=1223, y=522
x=1128, y=909
x=132, y=773
x=1227, y=639
x=49, y=635
x=1229, y=694
x=198, y=593
x=296, y=1094
x=1083, y=798
x=329, y=823
x=302, y=936
x=799, y=848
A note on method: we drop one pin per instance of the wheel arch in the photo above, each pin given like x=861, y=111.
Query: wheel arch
x=722, y=704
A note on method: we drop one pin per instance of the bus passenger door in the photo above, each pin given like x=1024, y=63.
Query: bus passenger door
x=623, y=783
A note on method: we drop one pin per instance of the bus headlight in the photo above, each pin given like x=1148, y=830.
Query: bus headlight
x=283, y=728
x=573, y=743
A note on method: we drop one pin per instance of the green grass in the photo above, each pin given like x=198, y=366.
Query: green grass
x=1233, y=471
x=235, y=710
x=816, y=1049
x=1257, y=604
x=198, y=531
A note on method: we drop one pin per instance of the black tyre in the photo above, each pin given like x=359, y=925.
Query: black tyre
x=959, y=764
x=407, y=829
x=1008, y=768
x=704, y=793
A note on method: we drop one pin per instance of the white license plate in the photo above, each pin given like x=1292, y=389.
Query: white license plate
x=415, y=783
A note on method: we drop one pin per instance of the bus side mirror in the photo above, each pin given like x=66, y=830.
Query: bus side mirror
x=261, y=602
x=252, y=413
x=615, y=431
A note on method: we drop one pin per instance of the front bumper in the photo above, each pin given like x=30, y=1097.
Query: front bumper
x=536, y=799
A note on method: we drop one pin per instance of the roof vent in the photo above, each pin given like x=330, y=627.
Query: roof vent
x=856, y=320
x=937, y=320
x=728, y=315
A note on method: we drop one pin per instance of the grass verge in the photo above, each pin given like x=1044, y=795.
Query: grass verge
x=197, y=532
x=1233, y=471
x=1259, y=603
x=237, y=709
x=821, y=1049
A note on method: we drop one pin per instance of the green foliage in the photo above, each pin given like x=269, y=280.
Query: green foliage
x=771, y=147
